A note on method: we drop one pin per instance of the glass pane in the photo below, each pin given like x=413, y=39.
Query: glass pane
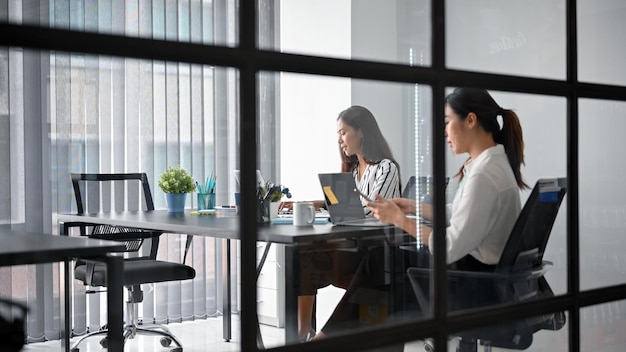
x=339, y=276
x=600, y=29
x=195, y=21
x=602, y=207
x=544, y=159
x=540, y=333
x=377, y=30
x=602, y=327
x=508, y=37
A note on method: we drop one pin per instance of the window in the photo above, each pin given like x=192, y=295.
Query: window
x=558, y=60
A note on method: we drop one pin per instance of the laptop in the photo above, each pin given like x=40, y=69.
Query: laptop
x=343, y=203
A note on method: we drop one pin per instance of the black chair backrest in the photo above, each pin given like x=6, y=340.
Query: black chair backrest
x=94, y=190
x=115, y=192
x=529, y=237
x=422, y=184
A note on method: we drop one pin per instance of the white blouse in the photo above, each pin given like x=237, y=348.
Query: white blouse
x=382, y=178
x=484, y=209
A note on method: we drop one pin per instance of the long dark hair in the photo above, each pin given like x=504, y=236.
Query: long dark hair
x=479, y=101
x=374, y=146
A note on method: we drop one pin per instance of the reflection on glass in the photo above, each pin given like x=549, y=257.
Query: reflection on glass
x=508, y=37
x=539, y=333
x=600, y=27
x=398, y=31
x=602, y=206
x=195, y=21
x=602, y=327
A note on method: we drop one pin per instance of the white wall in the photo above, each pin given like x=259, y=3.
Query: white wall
x=309, y=105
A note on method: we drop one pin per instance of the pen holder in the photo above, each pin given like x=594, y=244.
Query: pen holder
x=264, y=211
x=206, y=201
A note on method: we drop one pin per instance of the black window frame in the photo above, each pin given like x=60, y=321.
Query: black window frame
x=250, y=60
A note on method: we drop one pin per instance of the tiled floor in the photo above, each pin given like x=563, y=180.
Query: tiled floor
x=196, y=336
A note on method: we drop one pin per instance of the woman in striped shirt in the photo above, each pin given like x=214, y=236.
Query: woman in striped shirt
x=364, y=152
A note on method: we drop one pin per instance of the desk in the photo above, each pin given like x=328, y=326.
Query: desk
x=226, y=226
x=21, y=248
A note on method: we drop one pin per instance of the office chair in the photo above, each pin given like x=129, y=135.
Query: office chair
x=421, y=184
x=518, y=276
x=140, y=263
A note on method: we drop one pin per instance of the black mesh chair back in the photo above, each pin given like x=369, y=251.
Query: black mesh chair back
x=421, y=185
x=116, y=192
x=529, y=237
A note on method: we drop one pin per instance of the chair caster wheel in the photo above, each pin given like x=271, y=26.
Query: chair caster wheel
x=165, y=341
x=428, y=345
x=75, y=349
x=104, y=343
x=177, y=349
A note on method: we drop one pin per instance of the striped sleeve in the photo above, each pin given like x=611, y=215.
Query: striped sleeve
x=383, y=179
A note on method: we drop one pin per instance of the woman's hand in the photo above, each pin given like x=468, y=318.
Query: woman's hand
x=288, y=205
x=393, y=212
x=388, y=211
x=407, y=206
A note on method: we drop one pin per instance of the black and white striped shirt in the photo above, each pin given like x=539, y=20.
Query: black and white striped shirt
x=382, y=178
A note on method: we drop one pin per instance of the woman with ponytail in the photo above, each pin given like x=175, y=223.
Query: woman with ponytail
x=487, y=202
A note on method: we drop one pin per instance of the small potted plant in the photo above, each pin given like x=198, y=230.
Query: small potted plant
x=176, y=182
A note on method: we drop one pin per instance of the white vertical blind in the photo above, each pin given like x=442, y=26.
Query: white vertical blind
x=110, y=114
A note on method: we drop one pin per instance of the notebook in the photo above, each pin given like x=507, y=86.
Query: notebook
x=343, y=204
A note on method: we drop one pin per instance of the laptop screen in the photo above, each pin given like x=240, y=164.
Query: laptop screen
x=342, y=202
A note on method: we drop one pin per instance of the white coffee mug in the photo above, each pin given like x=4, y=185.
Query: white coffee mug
x=303, y=213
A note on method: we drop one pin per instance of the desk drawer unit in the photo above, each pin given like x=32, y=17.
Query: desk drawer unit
x=270, y=285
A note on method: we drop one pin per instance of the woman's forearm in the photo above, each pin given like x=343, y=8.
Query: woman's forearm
x=426, y=211
x=411, y=227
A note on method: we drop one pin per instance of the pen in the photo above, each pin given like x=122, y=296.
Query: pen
x=363, y=195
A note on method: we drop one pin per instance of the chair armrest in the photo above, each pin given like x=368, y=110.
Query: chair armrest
x=534, y=273
x=531, y=274
x=120, y=237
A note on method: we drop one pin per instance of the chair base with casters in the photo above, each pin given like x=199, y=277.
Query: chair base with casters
x=134, y=328
x=135, y=274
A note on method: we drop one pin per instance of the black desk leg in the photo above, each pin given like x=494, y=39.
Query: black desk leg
x=65, y=301
x=226, y=320
x=65, y=308
x=115, y=304
x=291, y=295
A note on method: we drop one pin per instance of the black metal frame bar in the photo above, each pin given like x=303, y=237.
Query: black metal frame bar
x=250, y=60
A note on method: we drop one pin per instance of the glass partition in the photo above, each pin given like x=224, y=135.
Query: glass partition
x=375, y=30
x=548, y=332
x=193, y=21
x=338, y=277
x=508, y=37
x=600, y=28
x=602, y=327
x=602, y=207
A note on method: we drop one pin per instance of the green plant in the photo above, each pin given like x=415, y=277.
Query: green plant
x=177, y=180
x=272, y=192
